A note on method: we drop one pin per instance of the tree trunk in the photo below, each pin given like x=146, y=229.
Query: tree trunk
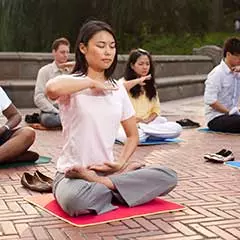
x=216, y=13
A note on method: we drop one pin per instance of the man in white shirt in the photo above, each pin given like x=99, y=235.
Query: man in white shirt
x=14, y=142
x=222, y=90
x=49, y=115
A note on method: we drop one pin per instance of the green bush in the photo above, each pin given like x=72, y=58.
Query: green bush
x=173, y=45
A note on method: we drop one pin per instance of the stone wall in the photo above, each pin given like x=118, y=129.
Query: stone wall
x=175, y=75
x=214, y=52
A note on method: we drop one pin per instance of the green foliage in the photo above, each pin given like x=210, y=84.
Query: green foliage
x=162, y=26
x=171, y=44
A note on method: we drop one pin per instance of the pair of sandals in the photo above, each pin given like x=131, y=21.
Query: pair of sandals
x=37, y=182
x=222, y=156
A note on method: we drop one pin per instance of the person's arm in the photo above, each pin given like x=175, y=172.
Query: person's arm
x=67, y=85
x=212, y=89
x=40, y=99
x=131, y=142
x=13, y=118
x=219, y=107
x=155, y=110
x=132, y=83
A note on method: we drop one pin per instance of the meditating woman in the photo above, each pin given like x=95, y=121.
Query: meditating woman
x=92, y=106
x=139, y=80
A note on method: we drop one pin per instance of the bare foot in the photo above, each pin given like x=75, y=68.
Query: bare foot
x=88, y=175
x=82, y=173
x=131, y=166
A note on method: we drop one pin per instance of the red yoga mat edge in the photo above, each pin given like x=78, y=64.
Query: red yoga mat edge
x=49, y=198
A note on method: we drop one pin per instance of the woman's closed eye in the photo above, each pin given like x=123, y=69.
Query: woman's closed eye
x=112, y=45
x=101, y=45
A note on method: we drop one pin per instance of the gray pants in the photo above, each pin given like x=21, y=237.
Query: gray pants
x=77, y=196
x=50, y=120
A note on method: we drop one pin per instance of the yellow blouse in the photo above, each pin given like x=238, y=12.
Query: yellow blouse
x=143, y=107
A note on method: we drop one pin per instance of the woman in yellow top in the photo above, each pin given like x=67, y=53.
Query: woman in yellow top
x=139, y=80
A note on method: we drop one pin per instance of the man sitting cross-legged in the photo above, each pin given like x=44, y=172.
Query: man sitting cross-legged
x=222, y=90
x=14, y=142
x=49, y=112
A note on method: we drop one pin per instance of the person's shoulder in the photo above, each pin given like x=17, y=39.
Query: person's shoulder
x=121, y=80
x=2, y=91
x=121, y=88
x=216, y=71
x=46, y=67
x=119, y=83
x=3, y=95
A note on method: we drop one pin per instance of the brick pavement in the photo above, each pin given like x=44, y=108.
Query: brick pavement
x=209, y=191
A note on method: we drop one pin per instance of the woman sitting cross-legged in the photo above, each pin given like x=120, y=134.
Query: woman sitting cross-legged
x=139, y=80
x=92, y=105
x=14, y=141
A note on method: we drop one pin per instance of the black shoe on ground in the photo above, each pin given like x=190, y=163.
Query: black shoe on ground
x=187, y=123
x=34, y=118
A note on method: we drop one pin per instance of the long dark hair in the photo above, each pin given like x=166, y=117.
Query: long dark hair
x=130, y=74
x=87, y=31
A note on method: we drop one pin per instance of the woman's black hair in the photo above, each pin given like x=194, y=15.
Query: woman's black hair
x=130, y=74
x=87, y=31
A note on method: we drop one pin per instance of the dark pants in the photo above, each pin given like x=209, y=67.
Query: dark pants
x=225, y=123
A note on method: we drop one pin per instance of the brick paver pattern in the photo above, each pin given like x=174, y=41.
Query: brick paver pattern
x=209, y=191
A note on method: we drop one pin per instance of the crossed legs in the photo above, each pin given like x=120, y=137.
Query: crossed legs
x=85, y=191
x=15, y=148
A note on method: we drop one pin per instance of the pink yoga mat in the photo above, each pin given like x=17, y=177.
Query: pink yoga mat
x=49, y=204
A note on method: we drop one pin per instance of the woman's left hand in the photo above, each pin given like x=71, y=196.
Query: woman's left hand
x=107, y=167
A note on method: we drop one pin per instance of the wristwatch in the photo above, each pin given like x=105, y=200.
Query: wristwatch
x=6, y=126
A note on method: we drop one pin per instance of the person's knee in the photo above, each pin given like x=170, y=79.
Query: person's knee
x=76, y=204
x=28, y=134
x=178, y=128
x=175, y=128
x=168, y=175
x=50, y=120
x=73, y=204
x=172, y=178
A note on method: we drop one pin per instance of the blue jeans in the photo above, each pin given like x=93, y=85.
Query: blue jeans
x=50, y=120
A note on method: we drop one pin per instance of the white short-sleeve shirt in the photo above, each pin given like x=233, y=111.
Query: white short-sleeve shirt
x=90, y=124
x=4, y=101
